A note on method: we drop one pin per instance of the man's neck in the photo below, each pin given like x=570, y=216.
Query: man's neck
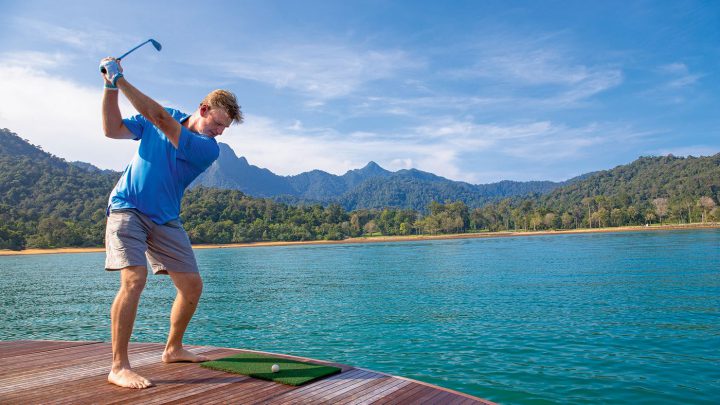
x=191, y=122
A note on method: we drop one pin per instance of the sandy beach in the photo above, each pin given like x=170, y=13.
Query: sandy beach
x=383, y=239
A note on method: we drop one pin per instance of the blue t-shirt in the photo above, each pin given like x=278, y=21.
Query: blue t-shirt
x=155, y=180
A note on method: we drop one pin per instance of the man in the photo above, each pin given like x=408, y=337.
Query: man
x=144, y=208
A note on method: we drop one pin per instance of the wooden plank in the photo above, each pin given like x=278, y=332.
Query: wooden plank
x=232, y=391
x=192, y=384
x=311, y=387
x=453, y=393
x=265, y=393
x=396, y=396
x=358, y=392
x=373, y=393
x=421, y=396
x=374, y=396
x=56, y=358
x=23, y=347
x=339, y=392
x=8, y=347
x=349, y=382
x=441, y=397
x=315, y=387
x=369, y=391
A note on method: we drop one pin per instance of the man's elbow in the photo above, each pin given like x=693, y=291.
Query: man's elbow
x=119, y=133
x=161, y=119
x=110, y=133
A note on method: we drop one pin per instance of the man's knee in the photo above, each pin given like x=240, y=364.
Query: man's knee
x=193, y=290
x=133, y=279
x=190, y=285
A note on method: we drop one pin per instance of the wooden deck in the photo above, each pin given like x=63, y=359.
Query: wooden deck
x=62, y=372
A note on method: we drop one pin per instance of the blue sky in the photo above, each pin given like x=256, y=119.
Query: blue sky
x=478, y=91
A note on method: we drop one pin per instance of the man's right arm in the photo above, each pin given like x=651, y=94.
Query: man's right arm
x=112, y=118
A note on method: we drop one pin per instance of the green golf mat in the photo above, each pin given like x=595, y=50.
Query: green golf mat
x=259, y=366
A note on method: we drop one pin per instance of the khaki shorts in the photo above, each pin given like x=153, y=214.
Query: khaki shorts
x=133, y=239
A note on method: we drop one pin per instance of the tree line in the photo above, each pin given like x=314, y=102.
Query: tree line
x=229, y=216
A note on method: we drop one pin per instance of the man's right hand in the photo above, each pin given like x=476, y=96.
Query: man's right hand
x=112, y=71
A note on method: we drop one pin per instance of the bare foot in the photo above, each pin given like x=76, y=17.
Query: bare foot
x=128, y=379
x=182, y=355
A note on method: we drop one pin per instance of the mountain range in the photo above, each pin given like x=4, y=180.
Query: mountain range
x=366, y=188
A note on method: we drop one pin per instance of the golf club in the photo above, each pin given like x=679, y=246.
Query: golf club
x=155, y=43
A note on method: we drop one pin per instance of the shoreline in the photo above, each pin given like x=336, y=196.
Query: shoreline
x=383, y=239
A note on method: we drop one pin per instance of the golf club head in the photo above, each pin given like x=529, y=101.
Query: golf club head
x=156, y=44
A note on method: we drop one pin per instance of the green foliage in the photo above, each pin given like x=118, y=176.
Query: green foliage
x=663, y=189
x=47, y=202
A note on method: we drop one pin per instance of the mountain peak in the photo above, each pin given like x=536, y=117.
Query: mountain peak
x=371, y=168
x=226, y=151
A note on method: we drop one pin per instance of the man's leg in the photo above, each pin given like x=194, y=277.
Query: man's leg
x=189, y=288
x=122, y=314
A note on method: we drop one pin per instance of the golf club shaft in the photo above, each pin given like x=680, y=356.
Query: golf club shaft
x=155, y=44
x=130, y=51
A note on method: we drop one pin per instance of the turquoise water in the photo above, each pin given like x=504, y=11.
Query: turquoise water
x=619, y=317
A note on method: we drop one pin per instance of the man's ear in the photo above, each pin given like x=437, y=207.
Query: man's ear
x=204, y=110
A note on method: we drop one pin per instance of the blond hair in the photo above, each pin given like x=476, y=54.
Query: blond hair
x=225, y=100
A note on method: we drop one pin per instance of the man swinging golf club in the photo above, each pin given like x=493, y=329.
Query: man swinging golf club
x=143, y=212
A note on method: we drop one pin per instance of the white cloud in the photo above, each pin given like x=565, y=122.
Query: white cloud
x=680, y=75
x=61, y=116
x=319, y=71
x=676, y=68
x=33, y=59
x=399, y=164
x=93, y=39
x=517, y=66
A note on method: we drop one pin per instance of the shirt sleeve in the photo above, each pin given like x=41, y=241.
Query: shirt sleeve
x=136, y=124
x=201, y=151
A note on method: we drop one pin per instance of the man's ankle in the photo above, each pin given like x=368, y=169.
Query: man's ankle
x=170, y=348
x=119, y=366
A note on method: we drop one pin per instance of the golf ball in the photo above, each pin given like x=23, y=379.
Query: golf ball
x=275, y=368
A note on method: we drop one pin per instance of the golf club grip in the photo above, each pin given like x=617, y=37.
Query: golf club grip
x=102, y=68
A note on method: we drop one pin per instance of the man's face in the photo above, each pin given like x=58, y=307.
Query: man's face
x=213, y=121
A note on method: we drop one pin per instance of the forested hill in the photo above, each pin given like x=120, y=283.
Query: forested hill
x=648, y=190
x=647, y=178
x=41, y=192
x=680, y=180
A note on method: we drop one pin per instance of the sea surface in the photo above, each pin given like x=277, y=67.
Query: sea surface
x=614, y=317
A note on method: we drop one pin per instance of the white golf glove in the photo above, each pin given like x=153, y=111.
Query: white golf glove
x=112, y=70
